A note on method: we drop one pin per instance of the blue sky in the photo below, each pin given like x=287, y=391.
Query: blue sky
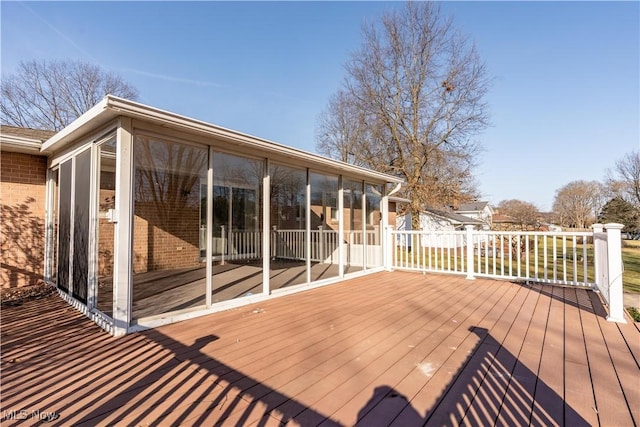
x=564, y=103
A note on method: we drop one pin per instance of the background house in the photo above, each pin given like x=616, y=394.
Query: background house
x=477, y=210
x=441, y=223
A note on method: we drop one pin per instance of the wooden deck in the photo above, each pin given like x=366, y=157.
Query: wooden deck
x=394, y=348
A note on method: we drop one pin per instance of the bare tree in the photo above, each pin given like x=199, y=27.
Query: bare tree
x=578, y=203
x=525, y=213
x=412, y=102
x=624, y=180
x=341, y=130
x=52, y=94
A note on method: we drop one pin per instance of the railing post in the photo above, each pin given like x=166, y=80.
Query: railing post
x=389, y=248
x=598, y=266
x=615, y=268
x=469, y=229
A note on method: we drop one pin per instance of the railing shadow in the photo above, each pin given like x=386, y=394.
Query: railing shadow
x=55, y=361
x=491, y=387
x=591, y=304
x=86, y=378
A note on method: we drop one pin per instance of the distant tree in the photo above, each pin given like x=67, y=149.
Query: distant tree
x=624, y=179
x=411, y=105
x=577, y=203
x=620, y=211
x=51, y=94
x=525, y=213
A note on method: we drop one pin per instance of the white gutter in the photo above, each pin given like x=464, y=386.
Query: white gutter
x=395, y=189
x=19, y=144
x=76, y=126
x=111, y=106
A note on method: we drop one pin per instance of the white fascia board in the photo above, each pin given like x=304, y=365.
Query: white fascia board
x=136, y=110
x=113, y=106
x=79, y=126
x=19, y=144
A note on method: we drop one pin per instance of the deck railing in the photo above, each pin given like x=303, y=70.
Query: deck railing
x=585, y=259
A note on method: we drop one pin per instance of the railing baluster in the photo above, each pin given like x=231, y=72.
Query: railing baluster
x=519, y=254
x=502, y=254
x=526, y=257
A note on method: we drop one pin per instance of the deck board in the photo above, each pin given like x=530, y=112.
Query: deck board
x=392, y=348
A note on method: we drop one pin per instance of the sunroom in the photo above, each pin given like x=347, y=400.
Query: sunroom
x=153, y=217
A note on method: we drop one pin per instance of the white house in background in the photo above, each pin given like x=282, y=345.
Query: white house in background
x=441, y=223
x=477, y=210
x=438, y=220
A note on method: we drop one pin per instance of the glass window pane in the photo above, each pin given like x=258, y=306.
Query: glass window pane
x=324, y=226
x=288, y=226
x=64, y=225
x=106, y=228
x=353, y=226
x=55, y=177
x=168, y=273
x=237, y=226
x=82, y=204
x=374, y=223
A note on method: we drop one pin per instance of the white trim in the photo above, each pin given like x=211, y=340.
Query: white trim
x=122, y=267
x=209, y=238
x=111, y=107
x=19, y=144
x=266, y=228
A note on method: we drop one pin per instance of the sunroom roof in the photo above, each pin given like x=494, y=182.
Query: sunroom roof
x=112, y=107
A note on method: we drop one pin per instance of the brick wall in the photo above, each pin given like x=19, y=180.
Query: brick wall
x=22, y=213
x=165, y=242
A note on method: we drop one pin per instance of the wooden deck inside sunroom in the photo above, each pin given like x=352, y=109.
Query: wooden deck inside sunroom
x=392, y=348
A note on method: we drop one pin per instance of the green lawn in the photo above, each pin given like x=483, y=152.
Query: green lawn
x=631, y=261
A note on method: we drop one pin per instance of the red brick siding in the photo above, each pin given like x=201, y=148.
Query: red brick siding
x=22, y=213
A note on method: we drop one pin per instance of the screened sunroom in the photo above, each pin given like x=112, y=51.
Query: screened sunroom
x=154, y=217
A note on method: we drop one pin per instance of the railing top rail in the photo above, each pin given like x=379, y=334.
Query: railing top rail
x=429, y=232
x=504, y=233
x=537, y=233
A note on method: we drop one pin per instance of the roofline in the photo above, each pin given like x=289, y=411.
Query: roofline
x=20, y=144
x=443, y=215
x=111, y=107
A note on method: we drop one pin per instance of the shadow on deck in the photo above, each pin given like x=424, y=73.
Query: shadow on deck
x=388, y=349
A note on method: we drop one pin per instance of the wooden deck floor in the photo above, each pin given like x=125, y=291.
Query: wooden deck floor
x=388, y=349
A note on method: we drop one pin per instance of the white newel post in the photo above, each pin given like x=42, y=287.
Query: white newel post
x=389, y=248
x=469, y=229
x=614, y=248
x=599, y=258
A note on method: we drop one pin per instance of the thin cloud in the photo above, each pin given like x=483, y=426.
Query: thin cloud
x=172, y=78
x=58, y=32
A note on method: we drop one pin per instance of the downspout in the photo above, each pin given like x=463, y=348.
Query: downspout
x=395, y=190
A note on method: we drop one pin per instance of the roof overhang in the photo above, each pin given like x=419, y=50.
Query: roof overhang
x=19, y=144
x=112, y=107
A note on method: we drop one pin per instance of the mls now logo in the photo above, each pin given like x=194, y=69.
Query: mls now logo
x=23, y=414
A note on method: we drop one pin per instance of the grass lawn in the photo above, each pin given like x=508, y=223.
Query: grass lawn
x=631, y=261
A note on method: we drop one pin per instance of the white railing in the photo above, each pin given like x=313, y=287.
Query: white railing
x=285, y=244
x=291, y=244
x=564, y=258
